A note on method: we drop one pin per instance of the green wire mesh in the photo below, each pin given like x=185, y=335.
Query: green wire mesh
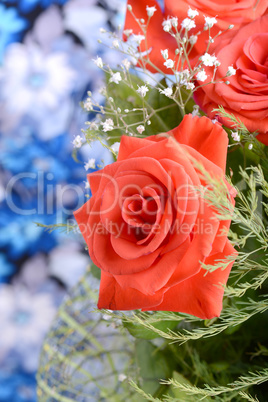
x=85, y=356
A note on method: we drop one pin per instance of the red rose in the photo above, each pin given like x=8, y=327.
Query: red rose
x=148, y=230
x=247, y=94
x=234, y=12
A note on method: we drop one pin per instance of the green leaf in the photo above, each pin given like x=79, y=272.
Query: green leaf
x=95, y=271
x=165, y=119
x=152, y=364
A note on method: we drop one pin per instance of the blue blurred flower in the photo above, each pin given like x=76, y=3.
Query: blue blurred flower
x=27, y=6
x=26, y=318
x=17, y=386
x=6, y=269
x=11, y=26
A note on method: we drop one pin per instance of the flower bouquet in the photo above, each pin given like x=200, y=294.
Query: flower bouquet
x=176, y=227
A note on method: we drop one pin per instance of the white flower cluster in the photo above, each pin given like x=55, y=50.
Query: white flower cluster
x=167, y=91
x=142, y=90
x=209, y=22
x=188, y=24
x=209, y=60
x=201, y=75
x=169, y=23
x=107, y=125
x=90, y=164
x=235, y=136
x=78, y=141
x=116, y=78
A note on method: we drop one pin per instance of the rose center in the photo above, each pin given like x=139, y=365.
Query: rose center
x=138, y=211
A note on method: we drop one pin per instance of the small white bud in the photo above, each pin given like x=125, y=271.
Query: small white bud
x=116, y=44
x=140, y=129
x=165, y=53
x=98, y=62
x=192, y=13
x=115, y=147
x=193, y=39
x=169, y=63
x=150, y=11
x=231, y=71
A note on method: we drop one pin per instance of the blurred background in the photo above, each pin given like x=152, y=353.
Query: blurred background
x=46, y=69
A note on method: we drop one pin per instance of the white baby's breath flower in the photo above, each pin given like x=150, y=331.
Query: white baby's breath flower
x=208, y=60
x=195, y=111
x=116, y=43
x=116, y=78
x=127, y=32
x=122, y=377
x=188, y=24
x=140, y=129
x=126, y=63
x=87, y=185
x=98, y=62
x=165, y=53
x=88, y=104
x=90, y=164
x=201, y=76
x=174, y=22
x=107, y=125
x=137, y=38
x=192, y=13
x=231, y=71
x=93, y=126
x=102, y=30
x=190, y=86
x=150, y=11
x=193, y=39
x=167, y=91
x=183, y=76
x=142, y=90
x=235, y=136
x=115, y=147
x=78, y=141
x=209, y=22
x=169, y=63
x=167, y=25
x=250, y=146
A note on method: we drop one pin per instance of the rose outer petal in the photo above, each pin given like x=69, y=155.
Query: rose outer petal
x=201, y=295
